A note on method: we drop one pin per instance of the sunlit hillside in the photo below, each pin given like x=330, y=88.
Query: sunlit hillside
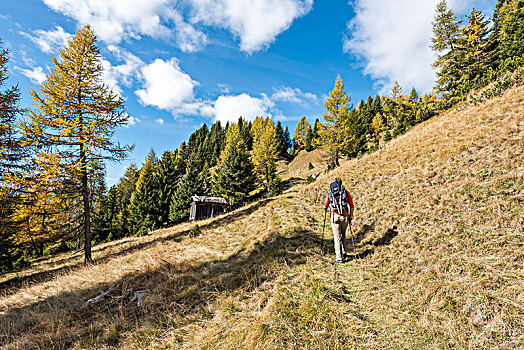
x=440, y=244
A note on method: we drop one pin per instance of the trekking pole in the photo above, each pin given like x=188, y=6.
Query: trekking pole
x=323, y=228
x=354, y=250
x=353, y=241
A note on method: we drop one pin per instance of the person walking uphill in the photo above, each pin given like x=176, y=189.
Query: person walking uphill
x=339, y=200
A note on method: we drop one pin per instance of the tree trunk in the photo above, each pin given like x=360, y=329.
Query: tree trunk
x=336, y=158
x=267, y=177
x=87, y=208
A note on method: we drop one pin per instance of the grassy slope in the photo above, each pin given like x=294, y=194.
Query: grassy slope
x=439, y=228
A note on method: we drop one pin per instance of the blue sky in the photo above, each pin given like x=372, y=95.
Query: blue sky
x=181, y=63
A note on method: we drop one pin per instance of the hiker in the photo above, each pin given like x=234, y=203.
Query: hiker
x=338, y=199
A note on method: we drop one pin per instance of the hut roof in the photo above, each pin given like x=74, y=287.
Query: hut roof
x=206, y=199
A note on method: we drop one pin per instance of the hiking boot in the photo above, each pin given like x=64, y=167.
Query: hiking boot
x=340, y=261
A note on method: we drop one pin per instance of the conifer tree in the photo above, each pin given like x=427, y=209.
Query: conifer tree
x=188, y=186
x=105, y=223
x=445, y=42
x=287, y=138
x=333, y=134
x=11, y=155
x=264, y=149
x=413, y=96
x=11, y=150
x=167, y=175
x=126, y=187
x=280, y=140
x=301, y=132
x=76, y=116
x=316, y=133
x=144, y=210
x=234, y=178
x=512, y=39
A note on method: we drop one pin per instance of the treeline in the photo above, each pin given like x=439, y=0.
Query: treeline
x=235, y=162
x=472, y=53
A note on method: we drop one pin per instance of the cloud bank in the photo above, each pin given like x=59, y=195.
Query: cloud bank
x=392, y=39
x=255, y=22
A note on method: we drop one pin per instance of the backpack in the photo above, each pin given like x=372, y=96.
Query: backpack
x=338, y=197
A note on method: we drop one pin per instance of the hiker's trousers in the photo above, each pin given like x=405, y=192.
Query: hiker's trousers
x=339, y=224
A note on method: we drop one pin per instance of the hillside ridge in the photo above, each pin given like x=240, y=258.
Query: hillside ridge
x=439, y=237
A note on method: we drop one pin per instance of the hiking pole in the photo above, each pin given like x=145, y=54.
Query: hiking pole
x=323, y=228
x=353, y=241
x=354, y=250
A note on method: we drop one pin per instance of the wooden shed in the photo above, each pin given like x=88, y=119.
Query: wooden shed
x=203, y=207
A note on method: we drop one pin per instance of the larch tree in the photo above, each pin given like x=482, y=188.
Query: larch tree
x=333, y=134
x=264, y=150
x=76, y=117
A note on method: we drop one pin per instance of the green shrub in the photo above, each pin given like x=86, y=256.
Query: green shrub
x=195, y=231
x=310, y=166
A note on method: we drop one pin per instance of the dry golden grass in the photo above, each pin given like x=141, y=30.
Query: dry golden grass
x=299, y=166
x=439, y=225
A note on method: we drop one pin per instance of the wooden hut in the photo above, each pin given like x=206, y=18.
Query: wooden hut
x=203, y=207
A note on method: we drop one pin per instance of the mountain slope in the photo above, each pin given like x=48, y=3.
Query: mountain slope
x=439, y=230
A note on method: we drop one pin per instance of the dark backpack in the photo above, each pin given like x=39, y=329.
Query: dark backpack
x=338, y=197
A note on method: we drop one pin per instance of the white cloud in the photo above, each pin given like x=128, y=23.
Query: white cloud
x=166, y=86
x=125, y=73
x=159, y=121
x=230, y=108
x=131, y=121
x=49, y=41
x=36, y=74
x=255, y=22
x=397, y=50
x=294, y=95
x=113, y=20
x=117, y=20
x=394, y=49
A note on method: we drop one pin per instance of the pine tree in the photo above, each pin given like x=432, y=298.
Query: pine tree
x=503, y=10
x=11, y=150
x=188, y=186
x=234, y=178
x=413, y=96
x=105, y=223
x=333, y=134
x=512, y=38
x=287, y=138
x=280, y=140
x=77, y=116
x=167, y=176
x=11, y=156
x=316, y=133
x=144, y=210
x=445, y=42
x=308, y=144
x=126, y=187
x=301, y=132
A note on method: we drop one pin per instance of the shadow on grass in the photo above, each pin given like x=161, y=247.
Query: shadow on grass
x=176, y=294
x=386, y=239
x=14, y=283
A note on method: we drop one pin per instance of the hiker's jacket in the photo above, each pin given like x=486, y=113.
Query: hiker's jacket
x=350, y=202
